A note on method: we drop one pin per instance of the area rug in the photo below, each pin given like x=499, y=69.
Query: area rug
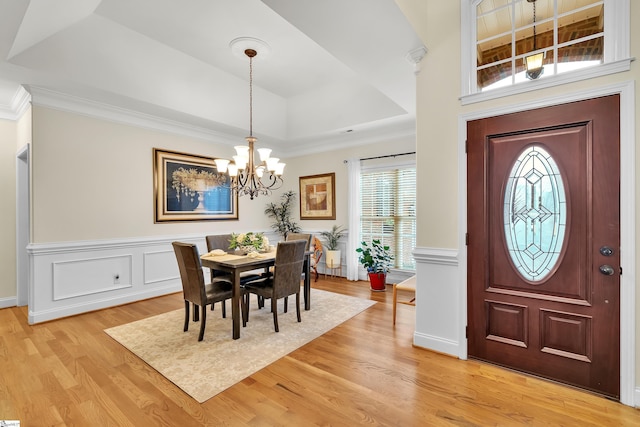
x=160, y=341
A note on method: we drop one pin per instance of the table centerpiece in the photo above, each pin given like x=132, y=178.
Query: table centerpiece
x=249, y=242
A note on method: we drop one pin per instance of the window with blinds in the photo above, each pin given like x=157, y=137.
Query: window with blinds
x=388, y=211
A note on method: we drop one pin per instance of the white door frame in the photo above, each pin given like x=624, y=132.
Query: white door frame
x=626, y=90
x=23, y=225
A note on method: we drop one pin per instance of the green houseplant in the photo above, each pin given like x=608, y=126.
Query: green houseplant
x=332, y=237
x=281, y=214
x=376, y=258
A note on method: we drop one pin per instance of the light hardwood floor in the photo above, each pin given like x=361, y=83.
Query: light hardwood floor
x=364, y=372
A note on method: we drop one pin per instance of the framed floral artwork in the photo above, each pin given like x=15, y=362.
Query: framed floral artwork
x=188, y=187
x=318, y=196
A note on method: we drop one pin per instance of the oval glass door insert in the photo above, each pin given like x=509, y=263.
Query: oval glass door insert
x=535, y=213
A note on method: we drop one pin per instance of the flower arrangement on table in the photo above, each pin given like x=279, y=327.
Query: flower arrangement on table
x=249, y=242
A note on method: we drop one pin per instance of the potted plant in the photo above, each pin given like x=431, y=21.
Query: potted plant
x=377, y=260
x=281, y=214
x=332, y=237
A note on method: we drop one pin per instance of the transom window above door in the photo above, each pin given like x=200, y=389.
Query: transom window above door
x=519, y=43
x=562, y=35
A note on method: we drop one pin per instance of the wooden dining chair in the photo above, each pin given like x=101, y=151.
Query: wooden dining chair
x=316, y=256
x=289, y=238
x=408, y=285
x=222, y=241
x=300, y=236
x=194, y=289
x=218, y=241
x=285, y=280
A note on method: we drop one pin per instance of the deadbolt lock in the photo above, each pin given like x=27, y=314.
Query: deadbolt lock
x=606, y=251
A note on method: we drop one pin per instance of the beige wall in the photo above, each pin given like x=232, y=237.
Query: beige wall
x=23, y=131
x=93, y=179
x=437, y=122
x=438, y=23
x=333, y=161
x=8, y=138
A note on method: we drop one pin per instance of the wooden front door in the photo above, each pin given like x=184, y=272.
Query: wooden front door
x=544, y=242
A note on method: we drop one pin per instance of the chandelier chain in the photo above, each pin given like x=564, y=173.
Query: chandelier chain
x=534, y=25
x=251, y=94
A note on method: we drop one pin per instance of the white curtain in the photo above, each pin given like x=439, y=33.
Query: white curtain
x=353, y=168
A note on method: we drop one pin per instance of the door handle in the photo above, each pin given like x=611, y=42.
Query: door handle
x=606, y=251
x=607, y=270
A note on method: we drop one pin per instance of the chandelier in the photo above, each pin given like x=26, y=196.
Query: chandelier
x=533, y=63
x=247, y=176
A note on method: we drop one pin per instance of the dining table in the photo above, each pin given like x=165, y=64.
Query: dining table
x=236, y=264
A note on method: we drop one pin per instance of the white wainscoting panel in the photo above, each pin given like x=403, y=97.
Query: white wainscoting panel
x=88, y=276
x=69, y=278
x=437, y=300
x=161, y=266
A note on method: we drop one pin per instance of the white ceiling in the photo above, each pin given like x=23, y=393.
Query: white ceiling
x=333, y=65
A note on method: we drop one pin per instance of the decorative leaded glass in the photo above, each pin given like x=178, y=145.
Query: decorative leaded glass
x=535, y=213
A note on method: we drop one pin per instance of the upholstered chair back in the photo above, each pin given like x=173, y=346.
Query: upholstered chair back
x=288, y=268
x=300, y=236
x=218, y=241
x=190, y=272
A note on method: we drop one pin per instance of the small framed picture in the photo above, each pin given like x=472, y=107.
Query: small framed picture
x=318, y=196
x=188, y=187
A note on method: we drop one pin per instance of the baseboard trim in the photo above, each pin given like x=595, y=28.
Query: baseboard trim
x=8, y=302
x=99, y=304
x=439, y=344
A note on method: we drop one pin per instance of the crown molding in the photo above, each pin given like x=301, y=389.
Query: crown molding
x=391, y=129
x=85, y=107
x=18, y=106
x=394, y=129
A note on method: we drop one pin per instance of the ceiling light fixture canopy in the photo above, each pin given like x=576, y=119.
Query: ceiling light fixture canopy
x=247, y=176
x=534, y=63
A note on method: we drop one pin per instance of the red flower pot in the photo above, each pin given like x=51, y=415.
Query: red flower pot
x=377, y=281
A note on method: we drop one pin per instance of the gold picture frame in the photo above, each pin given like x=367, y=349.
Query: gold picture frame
x=318, y=196
x=187, y=187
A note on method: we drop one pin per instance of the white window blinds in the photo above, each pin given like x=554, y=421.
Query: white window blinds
x=388, y=211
